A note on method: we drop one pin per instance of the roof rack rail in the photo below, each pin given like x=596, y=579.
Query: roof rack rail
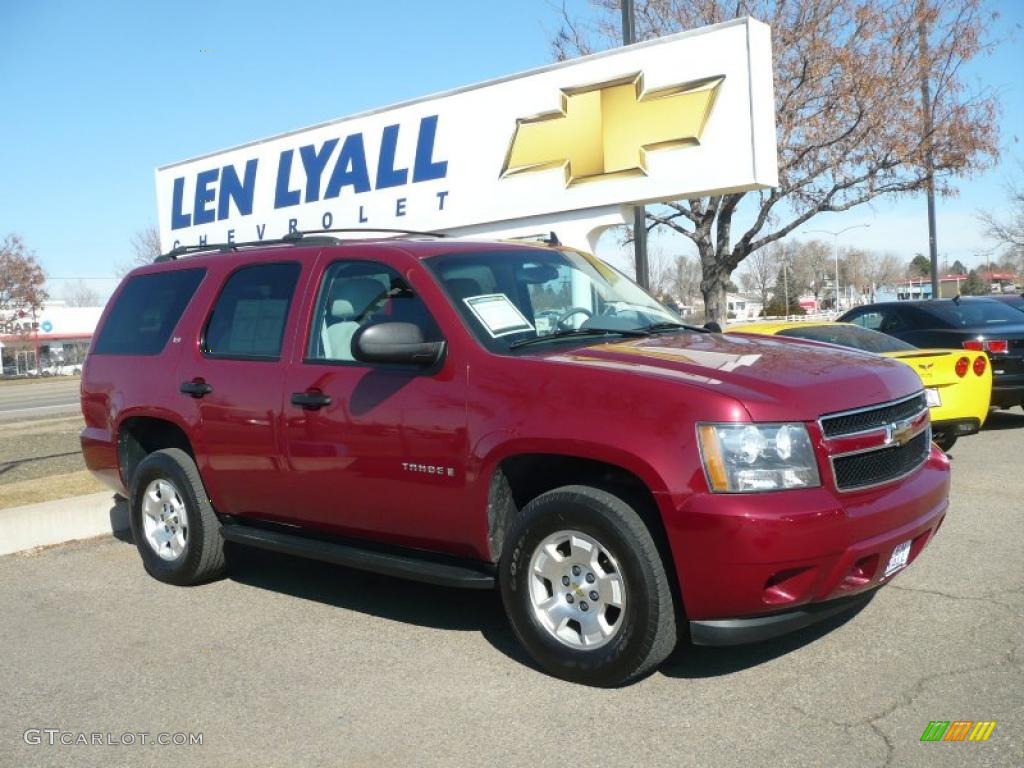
x=300, y=234
x=292, y=238
x=181, y=250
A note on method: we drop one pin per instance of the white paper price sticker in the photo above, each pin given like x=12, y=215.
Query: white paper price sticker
x=497, y=314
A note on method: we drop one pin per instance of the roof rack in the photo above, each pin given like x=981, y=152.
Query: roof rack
x=300, y=234
x=292, y=238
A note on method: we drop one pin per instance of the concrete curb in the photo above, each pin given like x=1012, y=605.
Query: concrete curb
x=61, y=520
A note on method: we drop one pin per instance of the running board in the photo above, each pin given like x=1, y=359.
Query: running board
x=403, y=566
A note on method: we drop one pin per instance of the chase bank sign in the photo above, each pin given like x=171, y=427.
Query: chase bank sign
x=684, y=115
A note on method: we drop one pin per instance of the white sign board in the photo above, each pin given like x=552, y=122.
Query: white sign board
x=686, y=115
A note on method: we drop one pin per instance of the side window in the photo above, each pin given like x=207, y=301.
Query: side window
x=894, y=322
x=357, y=293
x=248, y=319
x=872, y=320
x=146, y=312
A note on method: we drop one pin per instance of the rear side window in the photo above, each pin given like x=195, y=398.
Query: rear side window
x=146, y=311
x=248, y=319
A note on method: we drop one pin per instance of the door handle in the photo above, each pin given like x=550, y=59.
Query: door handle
x=195, y=388
x=311, y=400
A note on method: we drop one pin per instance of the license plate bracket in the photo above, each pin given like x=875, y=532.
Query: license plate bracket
x=898, y=559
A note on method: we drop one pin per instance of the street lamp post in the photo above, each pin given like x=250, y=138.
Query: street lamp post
x=835, y=248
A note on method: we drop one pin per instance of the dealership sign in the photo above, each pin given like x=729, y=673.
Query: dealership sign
x=686, y=115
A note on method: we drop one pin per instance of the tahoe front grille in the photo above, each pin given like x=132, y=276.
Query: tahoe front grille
x=883, y=465
x=873, y=418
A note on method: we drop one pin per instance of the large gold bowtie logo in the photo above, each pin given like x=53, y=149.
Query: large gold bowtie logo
x=607, y=130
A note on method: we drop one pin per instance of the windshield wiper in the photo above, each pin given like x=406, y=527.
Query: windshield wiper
x=669, y=326
x=579, y=332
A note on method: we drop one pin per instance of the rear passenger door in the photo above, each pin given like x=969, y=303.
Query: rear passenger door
x=232, y=382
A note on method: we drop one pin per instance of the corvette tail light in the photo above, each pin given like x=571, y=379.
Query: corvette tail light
x=975, y=345
x=979, y=366
x=961, y=366
x=997, y=346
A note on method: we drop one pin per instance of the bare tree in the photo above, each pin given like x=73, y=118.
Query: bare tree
x=78, y=294
x=813, y=267
x=848, y=110
x=760, y=271
x=21, y=278
x=145, y=246
x=886, y=269
x=675, y=276
x=856, y=267
x=1007, y=232
x=661, y=272
x=687, y=281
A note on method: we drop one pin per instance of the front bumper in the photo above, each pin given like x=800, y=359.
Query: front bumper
x=758, y=628
x=1007, y=389
x=956, y=427
x=746, y=556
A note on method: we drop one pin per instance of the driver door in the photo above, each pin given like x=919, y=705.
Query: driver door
x=383, y=456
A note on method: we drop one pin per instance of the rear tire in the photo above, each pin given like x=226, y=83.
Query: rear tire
x=585, y=588
x=173, y=523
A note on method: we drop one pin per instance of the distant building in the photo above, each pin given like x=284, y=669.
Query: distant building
x=808, y=303
x=53, y=338
x=917, y=288
x=1003, y=282
x=743, y=307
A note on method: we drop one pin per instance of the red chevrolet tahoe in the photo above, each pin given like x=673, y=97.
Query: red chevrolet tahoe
x=506, y=416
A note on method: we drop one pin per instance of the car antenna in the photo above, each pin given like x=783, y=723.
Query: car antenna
x=549, y=239
x=956, y=299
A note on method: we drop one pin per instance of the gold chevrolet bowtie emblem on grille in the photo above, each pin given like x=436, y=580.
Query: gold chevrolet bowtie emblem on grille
x=899, y=432
x=607, y=130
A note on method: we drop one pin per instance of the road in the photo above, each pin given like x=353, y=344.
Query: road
x=49, y=397
x=295, y=663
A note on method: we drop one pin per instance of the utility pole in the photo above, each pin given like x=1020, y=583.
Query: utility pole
x=639, y=211
x=785, y=279
x=929, y=161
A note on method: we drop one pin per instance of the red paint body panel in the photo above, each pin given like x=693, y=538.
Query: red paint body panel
x=634, y=404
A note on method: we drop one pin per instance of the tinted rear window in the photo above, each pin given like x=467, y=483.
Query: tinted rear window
x=970, y=314
x=146, y=311
x=250, y=314
x=849, y=336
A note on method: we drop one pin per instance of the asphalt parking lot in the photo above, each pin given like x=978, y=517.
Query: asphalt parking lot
x=290, y=663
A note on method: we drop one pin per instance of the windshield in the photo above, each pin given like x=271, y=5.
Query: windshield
x=971, y=314
x=510, y=297
x=851, y=336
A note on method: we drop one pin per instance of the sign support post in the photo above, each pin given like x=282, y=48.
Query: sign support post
x=639, y=211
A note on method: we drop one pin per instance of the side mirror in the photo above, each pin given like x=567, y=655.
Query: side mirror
x=395, y=343
x=713, y=327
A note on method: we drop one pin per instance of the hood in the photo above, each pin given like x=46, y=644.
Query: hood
x=775, y=379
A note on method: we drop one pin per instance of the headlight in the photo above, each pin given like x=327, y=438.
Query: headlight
x=745, y=458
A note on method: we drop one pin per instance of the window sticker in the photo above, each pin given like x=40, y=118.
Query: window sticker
x=499, y=315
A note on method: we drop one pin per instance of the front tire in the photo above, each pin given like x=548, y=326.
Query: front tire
x=945, y=441
x=173, y=523
x=585, y=588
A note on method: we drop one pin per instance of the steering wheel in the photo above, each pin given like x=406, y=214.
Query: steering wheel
x=560, y=322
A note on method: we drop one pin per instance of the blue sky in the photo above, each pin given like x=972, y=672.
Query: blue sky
x=98, y=94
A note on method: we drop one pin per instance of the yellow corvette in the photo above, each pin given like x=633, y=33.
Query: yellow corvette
x=958, y=383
